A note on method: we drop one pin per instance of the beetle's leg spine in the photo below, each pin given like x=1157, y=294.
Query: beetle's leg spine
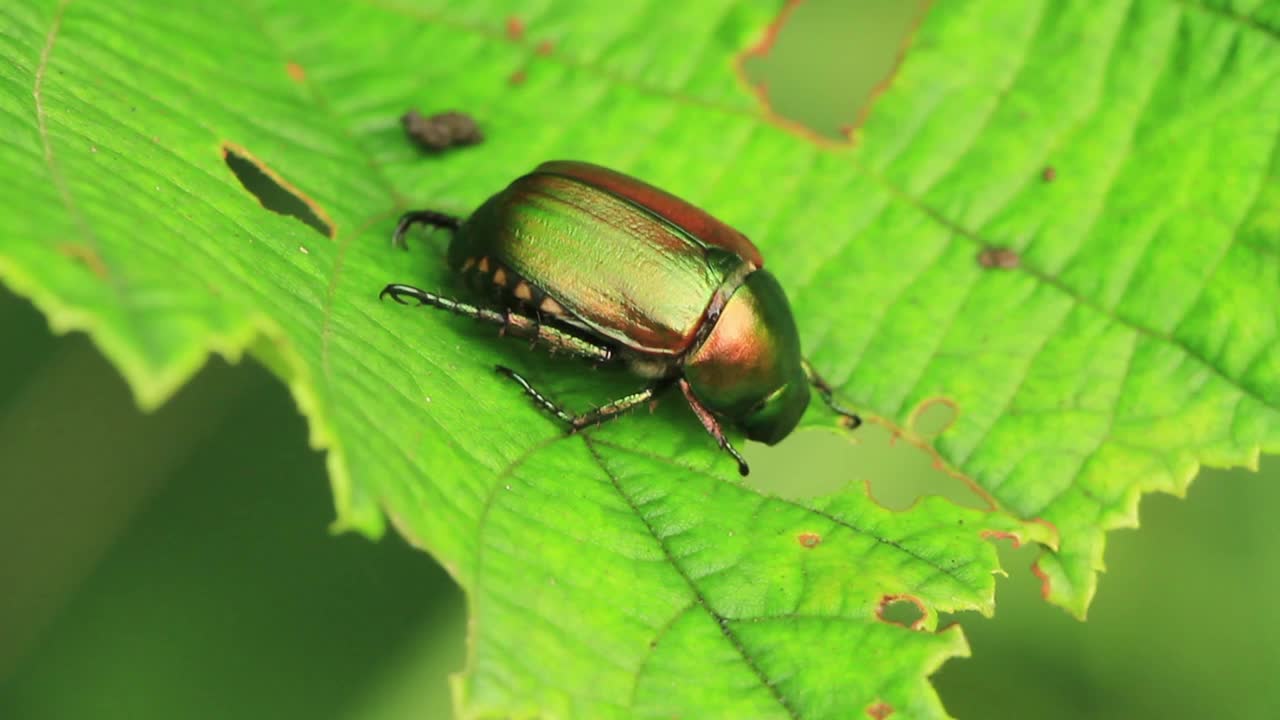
x=592, y=418
x=433, y=218
x=851, y=419
x=617, y=408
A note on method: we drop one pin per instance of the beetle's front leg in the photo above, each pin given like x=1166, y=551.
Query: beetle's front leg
x=713, y=426
x=849, y=418
x=598, y=416
x=433, y=218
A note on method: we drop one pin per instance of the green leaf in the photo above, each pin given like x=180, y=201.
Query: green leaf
x=1134, y=340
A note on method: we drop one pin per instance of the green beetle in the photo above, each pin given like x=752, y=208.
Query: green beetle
x=588, y=261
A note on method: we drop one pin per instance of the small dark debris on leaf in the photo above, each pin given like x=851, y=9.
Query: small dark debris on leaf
x=999, y=258
x=518, y=77
x=442, y=130
x=1048, y=174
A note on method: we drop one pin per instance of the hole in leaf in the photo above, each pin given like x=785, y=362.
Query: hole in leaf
x=933, y=417
x=904, y=610
x=820, y=461
x=274, y=192
x=794, y=60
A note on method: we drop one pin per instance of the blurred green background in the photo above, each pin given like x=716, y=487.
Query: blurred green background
x=178, y=565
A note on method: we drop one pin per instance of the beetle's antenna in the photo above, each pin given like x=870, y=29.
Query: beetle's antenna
x=849, y=418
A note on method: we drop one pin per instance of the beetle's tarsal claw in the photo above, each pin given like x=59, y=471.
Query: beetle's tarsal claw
x=851, y=421
x=395, y=292
x=743, y=469
x=402, y=229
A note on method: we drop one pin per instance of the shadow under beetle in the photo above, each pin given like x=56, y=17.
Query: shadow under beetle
x=587, y=261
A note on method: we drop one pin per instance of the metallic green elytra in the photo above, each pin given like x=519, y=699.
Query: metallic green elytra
x=585, y=260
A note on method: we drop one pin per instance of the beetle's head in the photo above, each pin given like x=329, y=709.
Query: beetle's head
x=773, y=417
x=748, y=369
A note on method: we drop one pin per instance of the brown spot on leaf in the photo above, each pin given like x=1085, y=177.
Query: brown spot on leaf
x=545, y=48
x=999, y=258
x=879, y=710
x=1048, y=174
x=515, y=28
x=296, y=72
x=518, y=77
x=904, y=610
x=85, y=256
x=274, y=192
x=809, y=539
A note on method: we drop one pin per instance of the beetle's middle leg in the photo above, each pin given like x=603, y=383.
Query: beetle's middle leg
x=513, y=324
x=849, y=418
x=598, y=416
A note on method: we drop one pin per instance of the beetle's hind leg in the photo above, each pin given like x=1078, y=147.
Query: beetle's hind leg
x=512, y=324
x=433, y=218
x=849, y=418
x=598, y=416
